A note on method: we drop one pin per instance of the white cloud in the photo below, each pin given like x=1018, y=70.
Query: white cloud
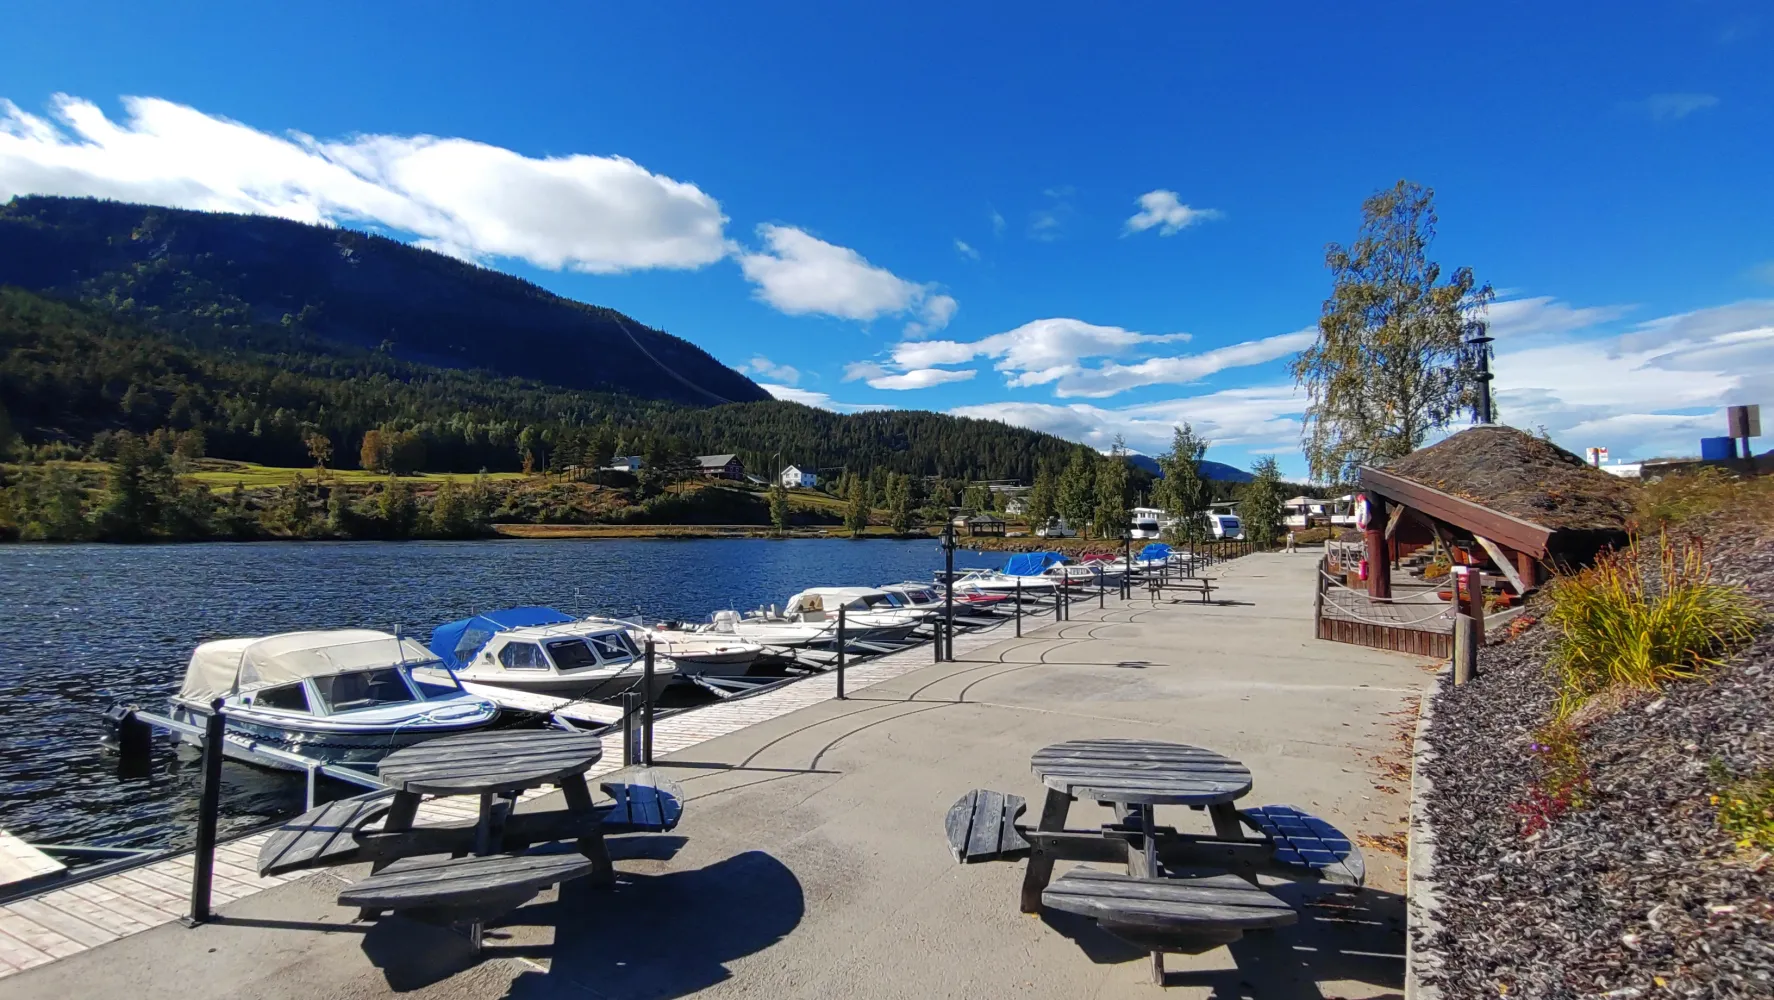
x=1545, y=314
x=1254, y=418
x=801, y=274
x=1111, y=377
x=1034, y=346
x=760, y=365
x=819, y=400
x=934, y=314
x=966, y=249
x=599, y=214
x=1048, y=223
x=1164, y=210
x=1673, y=106
x=998, y=222
x=921, y=378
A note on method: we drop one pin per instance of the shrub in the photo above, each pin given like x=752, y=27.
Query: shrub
x=1745, y=807
x=1709, y=494
x=1616, y=627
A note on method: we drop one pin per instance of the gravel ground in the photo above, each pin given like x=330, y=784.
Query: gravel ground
x=1638, y=893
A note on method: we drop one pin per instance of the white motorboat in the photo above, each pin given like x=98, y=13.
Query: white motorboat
x=914, y=596
x=705, y=654
x=542, y=651
x=769, y=630
x=349, y=696
x=810, y=618
x=993, y=583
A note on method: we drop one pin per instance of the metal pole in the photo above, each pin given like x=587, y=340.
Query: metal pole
x=647, y=707
x=842, y=642
x=628, y=713
x=209, y=804
x=1102, y=586
x=948, y=610
x=1019, y=607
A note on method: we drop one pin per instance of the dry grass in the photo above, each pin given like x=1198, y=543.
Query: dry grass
x=223, y=475
x=1711, y=499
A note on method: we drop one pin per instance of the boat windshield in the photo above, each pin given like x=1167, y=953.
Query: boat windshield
x=362, y=689
x=873, y=601
x=613, y=646
x=571, y=654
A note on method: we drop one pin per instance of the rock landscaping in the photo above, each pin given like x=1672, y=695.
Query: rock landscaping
x=1582, y=853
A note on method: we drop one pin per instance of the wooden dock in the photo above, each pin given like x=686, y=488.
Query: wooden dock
x=65, y=921
x=21, y=863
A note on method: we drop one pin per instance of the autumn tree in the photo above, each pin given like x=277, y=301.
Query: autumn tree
x=1391, y=362
x=320, y=448
x=373, y=456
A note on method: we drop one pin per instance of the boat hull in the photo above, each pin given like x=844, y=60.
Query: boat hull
x=324, y=745
x=601, y=687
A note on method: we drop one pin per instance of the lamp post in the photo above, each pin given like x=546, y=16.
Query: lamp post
x=947, y=638
x=1126, y=564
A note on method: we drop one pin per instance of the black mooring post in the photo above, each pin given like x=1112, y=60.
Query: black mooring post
x=1102, y=586
x=628, y=734
x=209, y=805
x=842, y=642
x=647, y=706
x=1019, y=607
x=948, y=610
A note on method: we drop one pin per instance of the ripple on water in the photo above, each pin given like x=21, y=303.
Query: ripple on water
x=87, y=625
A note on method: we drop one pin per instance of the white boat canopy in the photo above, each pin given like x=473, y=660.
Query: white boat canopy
x=829, y=599
x=233, y=666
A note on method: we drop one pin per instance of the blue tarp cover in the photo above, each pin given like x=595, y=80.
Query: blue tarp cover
x=1031, y=563
x=457, y=642
x=1155, y=551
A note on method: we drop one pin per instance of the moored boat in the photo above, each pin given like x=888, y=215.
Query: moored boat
x=347, y=696
x=544, y=651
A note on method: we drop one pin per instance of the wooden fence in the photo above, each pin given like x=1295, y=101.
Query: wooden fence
x=1399, y=638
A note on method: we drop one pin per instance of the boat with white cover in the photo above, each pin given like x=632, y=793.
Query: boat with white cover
x=347, y=696
x=810, y=618
x=544, y=651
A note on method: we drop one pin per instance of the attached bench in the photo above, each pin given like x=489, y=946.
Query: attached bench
x=323, y=836
x=1184, y=915
x=644, y=801
x=473, y=889
x=982, y=826
x=1304, y=841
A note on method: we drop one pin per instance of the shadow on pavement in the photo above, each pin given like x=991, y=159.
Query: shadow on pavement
x=661, y=935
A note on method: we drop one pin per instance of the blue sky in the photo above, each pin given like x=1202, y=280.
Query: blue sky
x=1096, y=224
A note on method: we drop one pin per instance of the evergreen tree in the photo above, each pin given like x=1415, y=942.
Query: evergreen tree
x=978, y=498
x=399, y=511
x=1111, y=494
x=856, y=515
x=1260, y=510
x=341, y=520
x=51, y=507
x=449, y=512
x=1041, y=498
x=779, y=506
x=1183, y=493
x=899, y=504
x=238, y=519
x=1076, y=490
x=131, y=509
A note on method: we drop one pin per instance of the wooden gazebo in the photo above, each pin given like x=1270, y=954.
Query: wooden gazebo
x=1501, y=495
x=985, y=525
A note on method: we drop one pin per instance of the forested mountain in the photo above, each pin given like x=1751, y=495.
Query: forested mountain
x=255, y=283
x=70, y=374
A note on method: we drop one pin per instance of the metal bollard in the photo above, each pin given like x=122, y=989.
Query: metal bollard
x=1102, y=586
x=1019, y=607
x=841, y=644
x=209, y=805
x=647, y=707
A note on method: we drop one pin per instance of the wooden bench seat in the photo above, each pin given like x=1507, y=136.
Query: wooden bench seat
x=463, y=887
x=981, y=826
x=322, y=836
x=1184, y=915
x=1303, y=840
x=644, y=802
x=1202, y=585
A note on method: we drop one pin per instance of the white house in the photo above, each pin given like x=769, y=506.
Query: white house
x=626, y=463
x=795, y=477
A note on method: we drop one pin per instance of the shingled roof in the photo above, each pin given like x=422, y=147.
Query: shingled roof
x=1524, y=476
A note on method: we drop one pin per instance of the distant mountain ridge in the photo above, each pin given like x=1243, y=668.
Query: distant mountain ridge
x=1216, y=471
x=216, y=279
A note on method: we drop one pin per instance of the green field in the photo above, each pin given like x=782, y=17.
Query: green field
x=223, y=475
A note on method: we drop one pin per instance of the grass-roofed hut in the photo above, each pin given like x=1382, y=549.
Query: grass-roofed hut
x=1522, y=500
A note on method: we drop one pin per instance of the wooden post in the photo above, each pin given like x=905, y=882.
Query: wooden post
x=1465, y=649
x=1379, y=568
x=1528, y=568
x=1475, y=601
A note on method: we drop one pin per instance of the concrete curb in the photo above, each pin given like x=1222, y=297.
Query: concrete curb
x=1421, y=899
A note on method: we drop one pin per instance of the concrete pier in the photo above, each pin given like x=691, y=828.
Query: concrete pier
x=811, y=860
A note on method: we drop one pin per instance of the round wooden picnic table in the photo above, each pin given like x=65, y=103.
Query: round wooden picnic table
x=499, y=761
x=1141, y=772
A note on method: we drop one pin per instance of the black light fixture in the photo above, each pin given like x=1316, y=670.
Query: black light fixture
x=946, y=641
x=1480, y=346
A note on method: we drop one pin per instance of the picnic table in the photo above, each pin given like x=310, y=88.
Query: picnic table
x=467, y=873
x=1177, y=892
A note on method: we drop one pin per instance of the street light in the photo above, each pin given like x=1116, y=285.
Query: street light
x=947, y=638
x=1126, y=563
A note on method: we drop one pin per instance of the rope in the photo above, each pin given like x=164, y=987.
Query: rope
x=1379, y=600
x=1376, y=621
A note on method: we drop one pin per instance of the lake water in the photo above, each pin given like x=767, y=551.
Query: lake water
x=87, y=625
